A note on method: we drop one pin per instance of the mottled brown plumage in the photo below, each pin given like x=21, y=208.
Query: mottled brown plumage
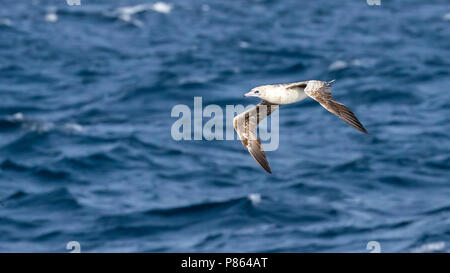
x=245, y=125
x=321, y=92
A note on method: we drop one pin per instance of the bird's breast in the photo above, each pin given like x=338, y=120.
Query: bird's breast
x=287, y=96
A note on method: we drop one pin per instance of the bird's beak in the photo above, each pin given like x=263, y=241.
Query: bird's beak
x=249, y=94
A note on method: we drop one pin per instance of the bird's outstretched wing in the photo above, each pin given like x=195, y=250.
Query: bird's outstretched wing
x=324, y=97
x=245, y=125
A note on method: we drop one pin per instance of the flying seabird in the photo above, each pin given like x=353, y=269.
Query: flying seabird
x=275, y=95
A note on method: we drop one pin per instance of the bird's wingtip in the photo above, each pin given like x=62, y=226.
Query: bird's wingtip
x=363, y=130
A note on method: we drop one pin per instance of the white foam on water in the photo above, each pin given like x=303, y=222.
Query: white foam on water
x=338, y=65
x=243, y=44
x=17, y=117
x=6, y=22
x=158, y=7
x=446, y=17
x=205, y=8
x=131, y=10
x=255, y=198
x=126, y=13
x=430, y=247
x=51, y=17
x=162, y=7
x=39, y=126
x=356, y=62
x=74, y=127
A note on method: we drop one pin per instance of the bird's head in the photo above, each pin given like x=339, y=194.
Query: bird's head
x=259, y=92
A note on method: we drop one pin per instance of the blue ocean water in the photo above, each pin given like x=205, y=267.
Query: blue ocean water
x=86, y=152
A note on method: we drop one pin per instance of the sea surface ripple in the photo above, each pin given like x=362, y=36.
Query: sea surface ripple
x=86, y=152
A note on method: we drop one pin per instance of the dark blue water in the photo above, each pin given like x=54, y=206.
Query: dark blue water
x=86, y=152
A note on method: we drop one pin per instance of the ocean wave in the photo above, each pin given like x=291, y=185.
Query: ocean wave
x=38, y=126
x=430, y=248
x=6, y=22
x=126, y=13
x=57, y=200
x=86, y=151
x=45, y=174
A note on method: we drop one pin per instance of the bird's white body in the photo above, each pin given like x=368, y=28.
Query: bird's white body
x=279, y=94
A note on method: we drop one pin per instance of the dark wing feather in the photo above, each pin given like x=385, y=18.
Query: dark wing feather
x=324, y=97
x=245, y=125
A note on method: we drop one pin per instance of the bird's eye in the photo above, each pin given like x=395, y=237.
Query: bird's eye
x=257, y=92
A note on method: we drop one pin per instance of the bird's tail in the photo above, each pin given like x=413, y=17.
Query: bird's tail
x=330, y=82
